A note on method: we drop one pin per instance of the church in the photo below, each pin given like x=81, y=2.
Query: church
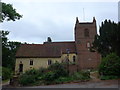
x=77, y=52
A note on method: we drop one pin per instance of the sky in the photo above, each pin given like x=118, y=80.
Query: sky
x=55, y=19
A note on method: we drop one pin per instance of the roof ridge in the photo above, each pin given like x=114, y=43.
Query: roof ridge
x=31, y=44
x=63, y=42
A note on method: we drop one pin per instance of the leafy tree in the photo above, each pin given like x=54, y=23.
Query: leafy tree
x=108, y=40
x=8, y=51
x=8, y=48
x=8, y=13
x=6, y=73
x=110, y=65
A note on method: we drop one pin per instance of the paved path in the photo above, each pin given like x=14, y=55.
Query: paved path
x=89, y=84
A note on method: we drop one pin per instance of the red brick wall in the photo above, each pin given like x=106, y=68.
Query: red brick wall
x=72, y=69
x=85, y=58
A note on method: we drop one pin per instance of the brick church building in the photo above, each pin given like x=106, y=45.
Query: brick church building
x=78, y=52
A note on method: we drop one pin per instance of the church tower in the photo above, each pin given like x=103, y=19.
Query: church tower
x=84, y=36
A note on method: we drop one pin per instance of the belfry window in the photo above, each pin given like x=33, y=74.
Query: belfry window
x=86, y=33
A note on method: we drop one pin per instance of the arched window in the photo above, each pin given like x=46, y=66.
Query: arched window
x=86, y=33
x=74, y=58
x=49, y=62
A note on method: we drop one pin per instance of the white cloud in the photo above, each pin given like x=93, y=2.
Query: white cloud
x=56, y=20
x=31, y=1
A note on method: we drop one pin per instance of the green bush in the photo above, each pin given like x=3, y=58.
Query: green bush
x=29, y=77
x=42, y=70
x=63, y=79
x=49, y=76
x=58, y=69
x=110, y=65
x=6, y=73
x=82, y=75
x=56, y=73
x=108, y=77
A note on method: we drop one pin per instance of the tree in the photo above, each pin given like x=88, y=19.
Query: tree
x=8, y=51
x=8, y=48
x=8, y=13
x=110, y=65
x=108, y=40
x=49, y=39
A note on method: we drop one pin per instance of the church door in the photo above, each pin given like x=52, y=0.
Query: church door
x=20, y=67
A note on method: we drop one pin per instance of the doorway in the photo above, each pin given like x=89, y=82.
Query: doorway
x=20, y=67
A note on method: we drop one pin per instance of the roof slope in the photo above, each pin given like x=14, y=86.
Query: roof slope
x=52, y=49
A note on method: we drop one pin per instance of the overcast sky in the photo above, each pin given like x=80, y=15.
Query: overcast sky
x=55, y=19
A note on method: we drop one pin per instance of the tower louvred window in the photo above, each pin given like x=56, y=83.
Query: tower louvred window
x=86, y=33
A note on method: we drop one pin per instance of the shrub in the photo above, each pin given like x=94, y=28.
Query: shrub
x=110, y=65
x=6, y=73
x=108, y=77
x=63, y=79
x=49, y=76
x=26, y=79
x=42, y=70
x=82, y=75
x=29, y=77
x=58, y=69
x=34, y=72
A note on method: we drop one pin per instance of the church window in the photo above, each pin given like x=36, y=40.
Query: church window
x=74, y=58
x=49, y=62
x=86, y=33
x=31, y=62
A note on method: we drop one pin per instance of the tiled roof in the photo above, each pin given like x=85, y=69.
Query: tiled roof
x=52, y=49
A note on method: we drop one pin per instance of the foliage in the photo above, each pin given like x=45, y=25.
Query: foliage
x=49, y=76
x=82, y=75
x=30, y=76
x=8, y=13
x=55, y=73
x=64, y=79
x=9, y=49
x=56, y=70
x=59, y=69
x=42, y=70
x=27, y=79
x=110, y=65
x=6, y=73
x=108, y=77
x=109, y=38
